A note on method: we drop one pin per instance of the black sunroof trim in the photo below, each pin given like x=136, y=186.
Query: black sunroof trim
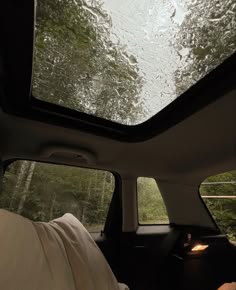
x=17, y=55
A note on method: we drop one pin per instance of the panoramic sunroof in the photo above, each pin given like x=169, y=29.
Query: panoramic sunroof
x=126, y=60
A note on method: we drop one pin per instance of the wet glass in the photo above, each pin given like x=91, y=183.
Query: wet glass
x=126, y=60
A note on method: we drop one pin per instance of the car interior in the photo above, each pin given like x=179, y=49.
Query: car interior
x=189, y=140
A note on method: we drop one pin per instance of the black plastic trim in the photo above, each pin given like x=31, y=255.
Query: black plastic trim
x=113, y=224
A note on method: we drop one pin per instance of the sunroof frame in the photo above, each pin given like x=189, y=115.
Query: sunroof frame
x=17, y=21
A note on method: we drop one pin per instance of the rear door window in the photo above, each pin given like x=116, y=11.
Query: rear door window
x=151, y=207
x=42, y=192
x=219, y=194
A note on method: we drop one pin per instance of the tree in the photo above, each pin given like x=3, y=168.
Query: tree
x=208, y=33
x=47, y=191
x=76, y=65
x=222, y=210
x=151, y=207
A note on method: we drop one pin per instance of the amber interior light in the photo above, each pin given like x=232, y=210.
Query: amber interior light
x=199, y=247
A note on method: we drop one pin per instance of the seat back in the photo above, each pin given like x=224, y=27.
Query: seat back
x=58, y=255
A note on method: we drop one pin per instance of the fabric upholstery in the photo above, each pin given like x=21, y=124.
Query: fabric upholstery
x=58, y=255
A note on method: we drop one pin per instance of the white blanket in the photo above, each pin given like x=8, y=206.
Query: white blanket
x=59, y=255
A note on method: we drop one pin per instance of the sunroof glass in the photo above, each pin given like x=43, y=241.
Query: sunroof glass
x=126, y=60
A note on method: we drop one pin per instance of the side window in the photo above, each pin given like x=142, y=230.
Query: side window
x=219, y=195
x=151, y=207
x=42, y=192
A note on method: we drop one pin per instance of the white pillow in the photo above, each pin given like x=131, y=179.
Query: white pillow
x=58, y=255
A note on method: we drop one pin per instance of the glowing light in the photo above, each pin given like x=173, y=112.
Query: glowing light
x=199, y=248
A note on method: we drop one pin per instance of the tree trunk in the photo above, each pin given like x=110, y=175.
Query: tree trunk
x=83, y=218
x=82, y=213
x=103, y=190
x=26, y=187
x=52, y=206
x=19, y=182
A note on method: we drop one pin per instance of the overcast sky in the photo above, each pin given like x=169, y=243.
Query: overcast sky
x=148, y=28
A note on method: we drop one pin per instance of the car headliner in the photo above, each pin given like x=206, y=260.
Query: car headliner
x=201, y=145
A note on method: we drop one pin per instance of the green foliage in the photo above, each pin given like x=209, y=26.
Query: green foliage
x=76, y=65
x=42, y=192
x=208, y=32
x=55, y=190
x=151, y=208
x=223, y=210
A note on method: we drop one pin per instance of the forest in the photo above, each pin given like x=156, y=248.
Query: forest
x=77, y=65
x=42, y=192
x=223, y=208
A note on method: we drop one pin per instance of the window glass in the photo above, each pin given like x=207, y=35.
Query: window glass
x=42, y=192
x=151, y=207
x=125, y=60
x=219, y=195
